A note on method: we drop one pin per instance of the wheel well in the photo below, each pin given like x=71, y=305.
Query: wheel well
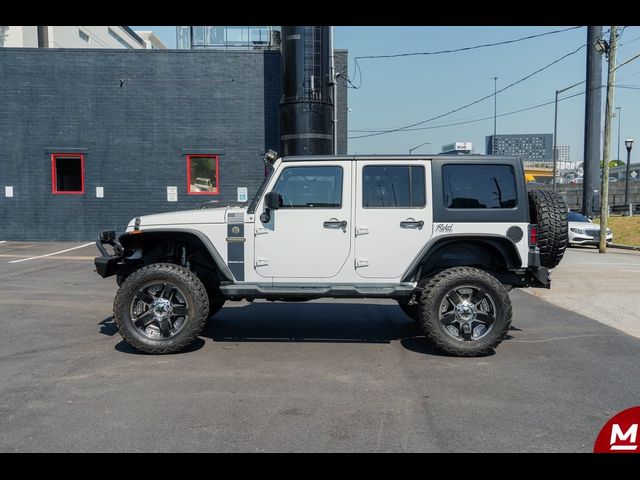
x=180, y=248
x=490, y=254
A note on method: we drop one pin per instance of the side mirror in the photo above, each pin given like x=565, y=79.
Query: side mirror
x=272, y=200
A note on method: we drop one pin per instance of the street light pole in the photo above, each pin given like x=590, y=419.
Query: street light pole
x=555, y=143
x=495, y=113
x=629, y=144
x=414, y=148
x=555, y=132
x=619, y=122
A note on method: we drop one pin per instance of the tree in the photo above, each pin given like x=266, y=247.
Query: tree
x=613, y=163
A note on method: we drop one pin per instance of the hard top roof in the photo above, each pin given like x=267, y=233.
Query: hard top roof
x=325, y=158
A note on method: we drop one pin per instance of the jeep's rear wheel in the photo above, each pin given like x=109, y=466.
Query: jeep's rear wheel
x=465, y=311
x=161, y=308
x=549, y=211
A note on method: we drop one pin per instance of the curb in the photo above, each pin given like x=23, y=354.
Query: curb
x=624, y=247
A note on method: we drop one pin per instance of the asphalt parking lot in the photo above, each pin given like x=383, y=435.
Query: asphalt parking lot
x=321, y=376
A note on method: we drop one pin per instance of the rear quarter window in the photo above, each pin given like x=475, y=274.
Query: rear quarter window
x=479, y=186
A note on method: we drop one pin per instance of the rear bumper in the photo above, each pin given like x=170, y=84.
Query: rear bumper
x=535, y=275
x=107, y=265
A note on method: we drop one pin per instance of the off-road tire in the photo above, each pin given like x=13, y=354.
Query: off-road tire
x=548, y=210
x=195, y=296
x=432, y=296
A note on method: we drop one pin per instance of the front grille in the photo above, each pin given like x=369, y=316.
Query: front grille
x=591, y=233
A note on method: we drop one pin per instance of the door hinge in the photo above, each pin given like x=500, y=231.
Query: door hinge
x=261, y=262
x=261, y=230
x=362, y=262
x=362, y=230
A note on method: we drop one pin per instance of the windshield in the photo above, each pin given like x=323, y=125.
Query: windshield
x=576, y=217
x=263, y=185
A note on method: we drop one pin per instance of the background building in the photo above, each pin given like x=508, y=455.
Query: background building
x=564, y=153
x=151, y=41
x=104, y=135
x=457, y=148
x=532, y=147
x=228, y=38
x=71, y=37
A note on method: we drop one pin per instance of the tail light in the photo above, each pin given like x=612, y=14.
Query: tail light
x=533, y=235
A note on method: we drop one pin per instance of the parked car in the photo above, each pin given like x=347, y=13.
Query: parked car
x=583, y=231
x=202, y=184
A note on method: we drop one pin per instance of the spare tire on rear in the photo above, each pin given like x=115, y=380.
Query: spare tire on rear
x=548, y=210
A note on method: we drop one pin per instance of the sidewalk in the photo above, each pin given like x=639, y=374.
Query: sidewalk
x=605, y=287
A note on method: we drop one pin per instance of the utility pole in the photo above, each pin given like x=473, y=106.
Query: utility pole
x=593, y=95
x=611, y=76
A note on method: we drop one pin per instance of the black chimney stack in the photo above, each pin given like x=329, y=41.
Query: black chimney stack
x=306, y=108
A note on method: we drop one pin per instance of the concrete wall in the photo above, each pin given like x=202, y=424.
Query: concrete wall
x=19, y=36
x=573, y=193
x=99, y=37
x=61, y=36
x=134, y=136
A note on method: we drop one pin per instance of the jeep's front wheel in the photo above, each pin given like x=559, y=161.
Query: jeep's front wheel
x=161, y=308
x=465, y=311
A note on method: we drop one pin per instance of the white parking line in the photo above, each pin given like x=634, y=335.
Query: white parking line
x=51, y=254
x=3, y=241
x=620, y=264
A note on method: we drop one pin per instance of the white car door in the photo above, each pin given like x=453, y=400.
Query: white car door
x=309, y=236
x=393, y=218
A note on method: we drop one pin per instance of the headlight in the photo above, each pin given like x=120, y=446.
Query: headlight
x=578, y=230
x=608, y=231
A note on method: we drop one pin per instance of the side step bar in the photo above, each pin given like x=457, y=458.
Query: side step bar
x=334, y=291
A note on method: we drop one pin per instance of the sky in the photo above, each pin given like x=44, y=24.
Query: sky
x=393, y=92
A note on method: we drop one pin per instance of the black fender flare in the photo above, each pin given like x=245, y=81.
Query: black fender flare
x=127, y=238
x=504, y=245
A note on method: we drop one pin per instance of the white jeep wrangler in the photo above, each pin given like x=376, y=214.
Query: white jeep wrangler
x=445, y=236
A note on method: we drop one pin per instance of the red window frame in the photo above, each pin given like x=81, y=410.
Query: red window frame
x=203, y=155
x=54, y=186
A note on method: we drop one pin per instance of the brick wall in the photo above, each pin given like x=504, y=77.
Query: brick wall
x=134, y=136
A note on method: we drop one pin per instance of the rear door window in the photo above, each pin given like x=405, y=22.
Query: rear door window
x=393, y=186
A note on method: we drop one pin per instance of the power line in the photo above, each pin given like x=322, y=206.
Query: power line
x=490, y=117
x=475, y=101
x=357, y=71
x=474, y=47
x=461, y=120
x=513, y=112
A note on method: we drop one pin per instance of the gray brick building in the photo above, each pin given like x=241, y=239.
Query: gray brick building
x=536, y=146
x=128, y=122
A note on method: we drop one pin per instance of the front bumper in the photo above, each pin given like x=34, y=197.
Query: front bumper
x=578, y=239
x=106, y=264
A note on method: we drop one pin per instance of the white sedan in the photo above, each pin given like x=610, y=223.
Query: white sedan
x=583, y=231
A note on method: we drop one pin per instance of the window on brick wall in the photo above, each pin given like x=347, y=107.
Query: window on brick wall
x=202, y=174
x=67, y=173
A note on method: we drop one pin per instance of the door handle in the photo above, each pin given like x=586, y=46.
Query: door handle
x=335, y=223
x=411, y=223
